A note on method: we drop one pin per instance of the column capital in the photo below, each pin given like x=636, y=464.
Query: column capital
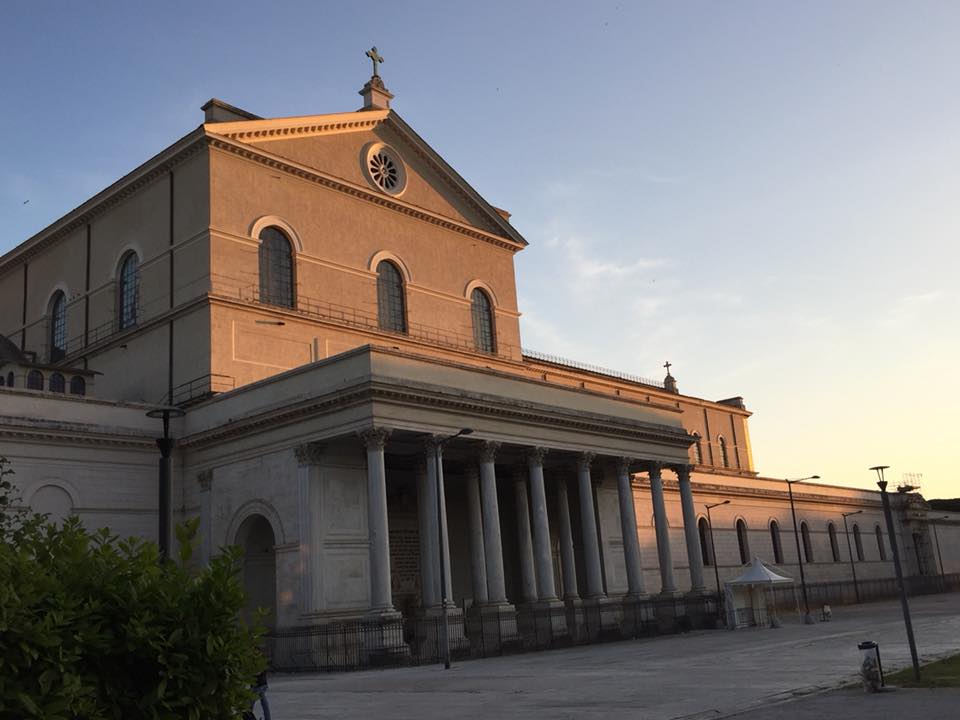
x=204, y=479
x=654, y=467
x=374, y=438
x=488, y=451
x=585, y=460
x=310, y=453
x=624, y=464
x=535, y=455
x=683, y=472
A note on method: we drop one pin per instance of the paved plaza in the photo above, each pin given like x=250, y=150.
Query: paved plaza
x=707, y=674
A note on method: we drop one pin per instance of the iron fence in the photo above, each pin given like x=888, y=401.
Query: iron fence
x=481, y=632
x=845, y=592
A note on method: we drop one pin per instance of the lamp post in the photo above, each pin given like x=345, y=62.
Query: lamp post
x=882, y=484
x=853, y=569
x=807, y=618
x=165, y=445
x=713, y=550
x=933, y=522
x=438, y=473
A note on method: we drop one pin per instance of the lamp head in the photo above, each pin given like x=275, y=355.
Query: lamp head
x=464, y=431
x=725, y=502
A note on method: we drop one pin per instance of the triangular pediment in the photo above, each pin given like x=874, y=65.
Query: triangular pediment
x=335, y=145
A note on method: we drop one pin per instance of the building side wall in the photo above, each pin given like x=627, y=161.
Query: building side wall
x=339, y=239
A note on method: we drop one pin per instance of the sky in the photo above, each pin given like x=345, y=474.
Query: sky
x=763, y=193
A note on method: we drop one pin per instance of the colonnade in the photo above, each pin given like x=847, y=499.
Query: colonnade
x=537, y=581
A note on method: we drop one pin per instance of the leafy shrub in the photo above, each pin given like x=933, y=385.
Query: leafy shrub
x=93, y=626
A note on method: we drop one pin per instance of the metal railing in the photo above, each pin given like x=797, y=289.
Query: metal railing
x=200, y=388
x=475, y=633
x=362, y=320
x=843, y=592
x=596, y=369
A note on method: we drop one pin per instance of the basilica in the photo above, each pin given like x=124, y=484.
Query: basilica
x=305, y=332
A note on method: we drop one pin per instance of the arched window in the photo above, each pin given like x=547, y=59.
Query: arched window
x=743, y=542
x=57, y=383
x=9, y=379
x=276, y=268
x=58, y=326
x=128, y=309
x=834, y=546
x=34, y=380
x=697, y=449
x=880, y=545
x=484, y=337
x=723, y=451
x=391, y=305
x=807, y=545
x=858, y=542
x=78, y=386
x=775, y=541
x=705, y=550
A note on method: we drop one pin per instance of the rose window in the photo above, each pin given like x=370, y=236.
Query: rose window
x=384, y=168
x=384, y=171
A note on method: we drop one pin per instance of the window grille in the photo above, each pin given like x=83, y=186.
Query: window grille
x=276, y=268
x=129, y=294
x=483, y=333
x=391, y=304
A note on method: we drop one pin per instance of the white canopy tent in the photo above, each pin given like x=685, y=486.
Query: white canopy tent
x=746, y=597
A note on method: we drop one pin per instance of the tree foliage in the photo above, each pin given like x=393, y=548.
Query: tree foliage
x=93, y=626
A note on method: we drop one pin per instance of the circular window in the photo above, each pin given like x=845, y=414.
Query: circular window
x=384, y=169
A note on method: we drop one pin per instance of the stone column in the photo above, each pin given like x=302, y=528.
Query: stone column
x=309, y=455
x=205, y=480
x=541, y=527
x=528, y=584
x=478, y=567
x=492, y=544
x=588, y=526
x=628, y=527
x=434, y=452
x=381, y=599
x=667, y=585
x=567, y=558
x=694, y=556
x=427, y=530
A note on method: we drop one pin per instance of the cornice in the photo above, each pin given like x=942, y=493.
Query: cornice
x=371, y=391
x=760, y=493
x=143, y=175
x=282, y=164
x=72, y=436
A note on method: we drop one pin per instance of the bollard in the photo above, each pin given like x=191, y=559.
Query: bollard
x=871, y=671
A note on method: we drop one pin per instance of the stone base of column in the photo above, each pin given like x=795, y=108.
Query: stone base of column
x=428, y=634
x=492, y=628
x=602, y=619
x=381, y=640
x=671, y=612
x=543, y=624
x=639, y=616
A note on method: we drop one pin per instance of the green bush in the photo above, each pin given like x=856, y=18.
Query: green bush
x=92, y=626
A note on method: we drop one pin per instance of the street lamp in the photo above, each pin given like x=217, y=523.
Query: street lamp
x=933, y=522
x=165, y=444
x=807, y=618
x=713, y=550
x=853, y=569
x=438, y=443
x=882, y=484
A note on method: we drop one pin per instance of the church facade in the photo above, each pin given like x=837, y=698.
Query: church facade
x=331, y=310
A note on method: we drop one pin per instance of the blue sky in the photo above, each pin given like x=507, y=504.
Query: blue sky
x=764, y=193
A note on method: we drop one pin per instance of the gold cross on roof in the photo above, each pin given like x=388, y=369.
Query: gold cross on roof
x=376, y=57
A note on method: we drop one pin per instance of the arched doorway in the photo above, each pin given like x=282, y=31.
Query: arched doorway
x=256, y=538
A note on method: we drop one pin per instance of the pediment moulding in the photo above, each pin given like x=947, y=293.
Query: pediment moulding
x=281, y=164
